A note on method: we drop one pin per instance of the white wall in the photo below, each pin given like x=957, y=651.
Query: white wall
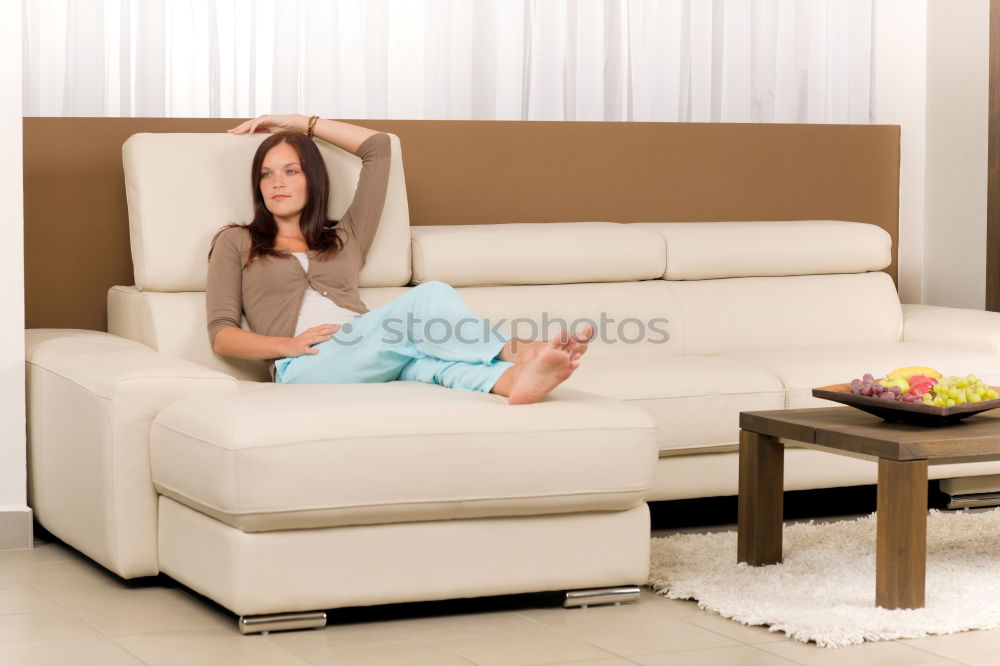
x=958, y=49
x=931, y=77
x=13, y=496
x=899, y=91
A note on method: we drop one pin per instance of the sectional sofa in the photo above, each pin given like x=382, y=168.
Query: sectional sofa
x=149, y=453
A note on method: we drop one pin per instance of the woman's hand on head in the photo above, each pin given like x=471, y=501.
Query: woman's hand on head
x=302, y=343
x=271, y=124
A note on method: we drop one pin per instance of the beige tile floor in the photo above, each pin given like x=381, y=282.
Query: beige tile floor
x=56, y=608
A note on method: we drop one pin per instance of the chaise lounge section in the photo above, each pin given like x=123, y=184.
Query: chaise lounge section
x=278, y=499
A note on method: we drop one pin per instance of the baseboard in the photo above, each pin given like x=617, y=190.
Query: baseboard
x=16, y=529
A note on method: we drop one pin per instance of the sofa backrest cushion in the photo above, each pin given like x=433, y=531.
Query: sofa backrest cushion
x=796, y=311
x=182, y=188
x=536, y=253
x=708, y=250
x=658, y=317
x=664, y=317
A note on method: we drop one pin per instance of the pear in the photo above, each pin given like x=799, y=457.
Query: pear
x=889, y=382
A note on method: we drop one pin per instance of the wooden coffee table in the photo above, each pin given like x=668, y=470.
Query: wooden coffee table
x=903, y=453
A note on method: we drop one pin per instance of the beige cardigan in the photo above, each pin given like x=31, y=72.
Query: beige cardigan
x=271, y=289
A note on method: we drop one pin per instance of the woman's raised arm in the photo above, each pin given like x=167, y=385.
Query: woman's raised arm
x=343, y=135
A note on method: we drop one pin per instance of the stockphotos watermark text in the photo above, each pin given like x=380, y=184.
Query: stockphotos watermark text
x=472, y=330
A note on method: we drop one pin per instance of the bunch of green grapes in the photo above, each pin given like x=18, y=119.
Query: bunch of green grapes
x=950, y=391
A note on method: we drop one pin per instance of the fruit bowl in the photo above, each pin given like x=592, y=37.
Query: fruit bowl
x=915, y=413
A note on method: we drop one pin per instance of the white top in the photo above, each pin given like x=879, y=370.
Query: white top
x=316, y=308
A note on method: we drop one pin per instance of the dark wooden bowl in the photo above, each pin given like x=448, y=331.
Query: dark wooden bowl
x=916, y=413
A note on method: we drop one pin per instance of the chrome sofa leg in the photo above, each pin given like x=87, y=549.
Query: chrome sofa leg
x=264, y=624
x=973, y=500
x=602, y=595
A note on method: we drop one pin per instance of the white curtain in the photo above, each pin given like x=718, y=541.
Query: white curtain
x=798, y=61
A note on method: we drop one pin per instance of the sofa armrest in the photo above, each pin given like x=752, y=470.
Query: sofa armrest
x=957, y=327
x=91, y=399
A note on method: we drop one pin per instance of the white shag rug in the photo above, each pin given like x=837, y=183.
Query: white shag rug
x=824, y=591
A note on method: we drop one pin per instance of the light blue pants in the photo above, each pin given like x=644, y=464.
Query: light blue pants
x=426, y=335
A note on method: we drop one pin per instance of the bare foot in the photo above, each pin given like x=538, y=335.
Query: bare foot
x=519, y=350
x=551, y=367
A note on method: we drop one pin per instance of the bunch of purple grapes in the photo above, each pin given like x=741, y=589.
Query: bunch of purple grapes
x=868, y=387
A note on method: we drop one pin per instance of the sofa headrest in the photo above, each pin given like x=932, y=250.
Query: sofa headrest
x=535, y=253
x=708, y=250
x=182, y=188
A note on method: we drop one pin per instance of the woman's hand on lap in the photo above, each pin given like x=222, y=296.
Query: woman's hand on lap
x=272, y=123
x=302, y=343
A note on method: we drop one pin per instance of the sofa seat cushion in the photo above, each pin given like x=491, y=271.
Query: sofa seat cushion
x=805, y=368
x=694, y=400
x=305, y=456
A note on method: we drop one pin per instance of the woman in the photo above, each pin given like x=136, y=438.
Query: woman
x=294, y=274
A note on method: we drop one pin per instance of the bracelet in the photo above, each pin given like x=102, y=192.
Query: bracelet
x=312, y=125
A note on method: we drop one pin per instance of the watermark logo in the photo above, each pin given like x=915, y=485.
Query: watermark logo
x=472, y=330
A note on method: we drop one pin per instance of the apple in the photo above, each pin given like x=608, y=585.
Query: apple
x=922, y=379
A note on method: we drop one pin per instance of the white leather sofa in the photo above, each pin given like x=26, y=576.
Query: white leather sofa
x=150, y=454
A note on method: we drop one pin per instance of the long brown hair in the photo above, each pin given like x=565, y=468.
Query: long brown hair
x=320, y=233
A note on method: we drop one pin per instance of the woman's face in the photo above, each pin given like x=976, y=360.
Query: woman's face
x=282, y=182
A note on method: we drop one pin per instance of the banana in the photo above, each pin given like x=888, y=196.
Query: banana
x=910, y=371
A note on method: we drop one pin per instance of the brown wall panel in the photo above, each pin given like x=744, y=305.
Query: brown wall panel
x=473, y=172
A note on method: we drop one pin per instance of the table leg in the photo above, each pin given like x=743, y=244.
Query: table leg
x=901, y=553
x=761, y=499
